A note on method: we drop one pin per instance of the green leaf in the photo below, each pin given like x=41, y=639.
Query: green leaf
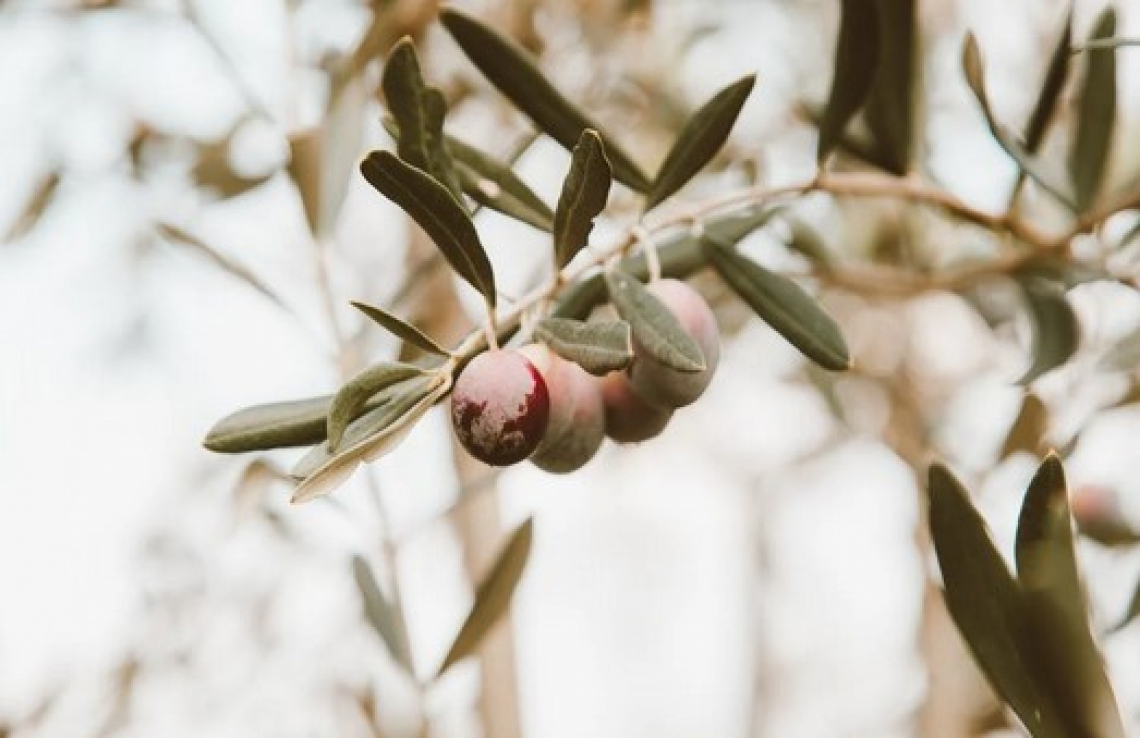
x=492, y=596
x=1040, y=171
x=367, y=439
x=495, y=185
x=273, y=425
x=1051, y=87
x=1056, y=332
x=514, y=72
x=401, y=329
x=599, y=347
x=431, y=205
x=419, y=111
x=856, y=57
x=807, y=242
x=783, y=305
x=347, y=402
x=699, y=141
x=1057, y=633
x=890, y=107
x=985, y=602
x=1096, y=117
x=380, y=614
x=1027, y=432
x=584, y=194
x=654, y=326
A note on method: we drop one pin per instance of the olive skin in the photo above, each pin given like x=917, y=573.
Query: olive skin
x=500, y=407
x=576, y=428
x=629, y=419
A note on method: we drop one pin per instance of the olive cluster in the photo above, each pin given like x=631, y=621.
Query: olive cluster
x=508, y=405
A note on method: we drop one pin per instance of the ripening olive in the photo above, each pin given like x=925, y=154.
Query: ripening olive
x=577, y=417
x=500, y=407
x=629, y=419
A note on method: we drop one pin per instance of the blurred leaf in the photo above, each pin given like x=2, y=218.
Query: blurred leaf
x=419, y=111
x=38, y=203
x=273, y=425
x=598, y=347
x=495, y=185
x=806, y=241
x=380, y=614
x=1124, y=354
x=985, y=602
x=492, y=597
x=398, y=418
x=1058, y=634
x=653, y=325
x=347, y=402
x=699, y=141
x=1037, y=169
x=783, y=305
x=1027, y=432
x=514, y=73
x=584, y=194
x=856, y=57
x=1056, y=332
x=401, y=329
x=1131, y=613
x=212, y=170
x=177, y=235
x=890, y=106
x=433, y=207
x=1096, y=117
x=1107, y=44
x=1051, y=87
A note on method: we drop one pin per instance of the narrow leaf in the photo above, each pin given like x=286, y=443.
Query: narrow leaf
x=492, y=597
x=584, y=194
x=1057, y=633
x=380, y=614
x=418, y=110
x=1027, y=433
x=1056, y=333
x=514, y=72
x=178, y=235
x=984, y=600
x=654, y=326
x=891, y=105
x=856, y=57
x=347, y=402
x=1131, y=613
x=273, y=425
x=598, y=347
x=401, y=329
x=1096, y=117
x=1107, y=44
x=699, y=141
x=495, y=185
x=431, y=205
x=1051, y=87
x=783, y=305
x=37, y=204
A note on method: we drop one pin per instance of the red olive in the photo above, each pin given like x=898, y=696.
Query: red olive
x=500, y=407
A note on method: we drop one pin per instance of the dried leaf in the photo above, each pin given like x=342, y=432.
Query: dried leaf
x=782, y=304
x=492, y=597
x=401, y=329
x=856, y=58
x=38, y=203
x=212, y=170
x=584, y=194
x=381, y=615
x=514, y=73
x=1056, y=332
x=433, y=207
x=1096, y=118
x=653, y=325
x=347, y=402
x=699, y=141
x=598, y=347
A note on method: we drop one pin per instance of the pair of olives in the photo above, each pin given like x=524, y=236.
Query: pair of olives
x=508, y=405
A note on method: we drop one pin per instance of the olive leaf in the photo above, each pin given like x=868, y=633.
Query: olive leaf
x=1027, y=432
x=856, y=58
x=782, y=304
x=368, y=438
x=401, y=329
x=418, y=110
x=380, y=614
x=38, y=202
x=495, y=185
x=1056, y=630
x=599, y=347
x=272, y=425
x=699, y=140
x=584, y=194
x=514, y=73
x=1096, y=117
x=653, y=325
x=441, y=216
x=1051, y=88
x=985, y=603
x=1131, y=613
x=891, y=104
x=347, y=402
x=492, y=596
x=1056, y=332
